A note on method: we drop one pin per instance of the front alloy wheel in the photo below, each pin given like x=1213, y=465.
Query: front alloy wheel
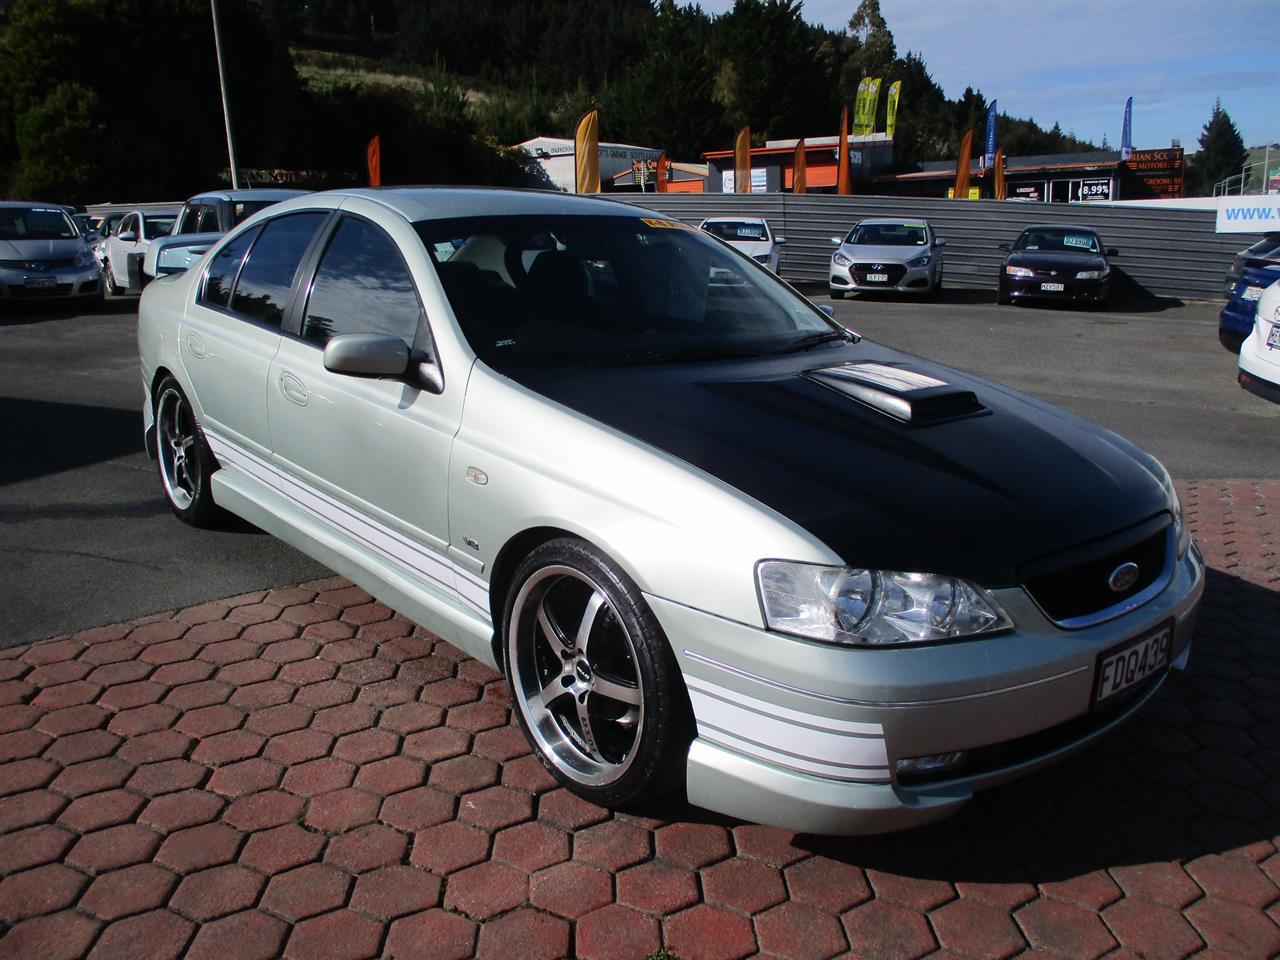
x=595, y=685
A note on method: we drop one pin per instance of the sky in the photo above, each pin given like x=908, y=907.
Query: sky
x=1076, y=61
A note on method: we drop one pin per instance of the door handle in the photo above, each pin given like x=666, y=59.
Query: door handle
x=196, y=345
x=293, y=389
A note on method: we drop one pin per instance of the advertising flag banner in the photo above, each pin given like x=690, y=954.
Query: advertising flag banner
x=586, y=153
x=989, y=147
x=844, y=180
x=962, y=165
x=1126, y=132
x=891, y=108
x=373, y=157
x=860, y=104
x=660, y=180
x=864, y=123
x=1001, y=186
x=742, y=161
x=799, y=168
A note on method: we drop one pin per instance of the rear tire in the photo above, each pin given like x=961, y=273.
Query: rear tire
x=596, y=688
x=183, y=457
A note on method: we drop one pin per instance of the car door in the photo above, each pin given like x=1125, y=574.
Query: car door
x=232, y=327
x=369, y=456
x=119, y=248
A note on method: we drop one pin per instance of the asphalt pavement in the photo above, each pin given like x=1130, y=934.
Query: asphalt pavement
x=86, y=537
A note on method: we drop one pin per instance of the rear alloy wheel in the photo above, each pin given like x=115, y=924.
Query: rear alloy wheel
x=183, y=457
x=596, y=688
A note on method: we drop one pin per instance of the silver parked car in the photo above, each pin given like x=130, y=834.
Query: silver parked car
x=903, y=256
x=717, y=542
x=44, y=256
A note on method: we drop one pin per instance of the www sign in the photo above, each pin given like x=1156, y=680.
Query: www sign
x=1248, y=214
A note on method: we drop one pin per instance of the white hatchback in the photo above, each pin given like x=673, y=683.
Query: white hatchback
x=1260, y=352
x=748, y=235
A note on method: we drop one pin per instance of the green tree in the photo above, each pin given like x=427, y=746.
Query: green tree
x=50, y=138
x=1222, y=153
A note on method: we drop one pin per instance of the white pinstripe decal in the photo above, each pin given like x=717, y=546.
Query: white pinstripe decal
x=376, y=536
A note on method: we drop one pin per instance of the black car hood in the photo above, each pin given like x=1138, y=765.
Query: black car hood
x=1048, y=260
x=974, y=495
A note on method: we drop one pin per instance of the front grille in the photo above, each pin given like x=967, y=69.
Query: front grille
x=894, y=271
x=44, y=265
x=1084, y=589
x=19, y=290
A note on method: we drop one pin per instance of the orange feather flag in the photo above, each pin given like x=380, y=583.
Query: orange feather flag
x=742, y=161
x=799, y=168
x=1001, y=188
x=373, y=157
x=844, y=176
x=961, y=191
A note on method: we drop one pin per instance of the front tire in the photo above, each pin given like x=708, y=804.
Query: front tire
x=183, y=457
x=596, y=688
x=109, y=277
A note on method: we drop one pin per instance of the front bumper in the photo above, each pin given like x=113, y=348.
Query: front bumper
x=913, y=280
x=1073, y=290
x=807, y=736
x=63, y=283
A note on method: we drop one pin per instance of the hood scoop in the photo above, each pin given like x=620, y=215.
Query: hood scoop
x=898, y=392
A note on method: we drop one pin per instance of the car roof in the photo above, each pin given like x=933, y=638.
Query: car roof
x=28, y=204
x=444, y=203
x=1060, y=226
x=248, y=194
x=735, y=220
x=893, y=221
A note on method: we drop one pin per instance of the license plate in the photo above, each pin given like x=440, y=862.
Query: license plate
x=1253, y=293
x=1273, y=339
x=41, y=281
x=1053, y=287
x=1122, y=668
x=877, y=278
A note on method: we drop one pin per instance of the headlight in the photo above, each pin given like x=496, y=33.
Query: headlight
x=921, y=261
x=1019, y=272
x=841, y=260
x=1093, y=274
x=873, y=607
x=85, y=257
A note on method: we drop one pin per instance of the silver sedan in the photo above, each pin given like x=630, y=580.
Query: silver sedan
x=718, y=544
x=901, y=256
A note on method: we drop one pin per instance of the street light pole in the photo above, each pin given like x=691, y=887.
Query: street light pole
x=222, y=85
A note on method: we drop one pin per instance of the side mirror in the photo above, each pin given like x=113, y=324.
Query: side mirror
x=366, y=355
x=1112, y=252
x=128, y=236
x=836, y=241
x=1002, y=246
x=779, y=240
x=939, y=243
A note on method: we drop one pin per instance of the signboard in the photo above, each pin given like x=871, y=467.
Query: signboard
x=1249, y=214
x=1082, y=191
x=1152, y=174
x=758, y=181
x=1034, y=192
x=1273, y=180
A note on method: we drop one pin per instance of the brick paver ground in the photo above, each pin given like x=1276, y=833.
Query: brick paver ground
x=301, y=773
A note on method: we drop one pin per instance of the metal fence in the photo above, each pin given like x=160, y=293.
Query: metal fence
x=1163, y=253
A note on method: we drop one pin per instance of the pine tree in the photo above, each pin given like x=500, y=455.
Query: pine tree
x=1222, y=152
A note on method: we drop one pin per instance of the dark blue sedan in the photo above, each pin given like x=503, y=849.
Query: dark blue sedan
x=1236, y=320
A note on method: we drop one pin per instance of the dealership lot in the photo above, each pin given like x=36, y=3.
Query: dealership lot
x=88, y=538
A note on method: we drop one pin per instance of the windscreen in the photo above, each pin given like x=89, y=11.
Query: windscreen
x=153, y=227
x=888, y=235
x=36, y=223
x=1059, y=240
x=611, y=290
x=739, y=231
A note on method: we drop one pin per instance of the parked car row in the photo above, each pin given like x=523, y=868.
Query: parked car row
x=1249, y=324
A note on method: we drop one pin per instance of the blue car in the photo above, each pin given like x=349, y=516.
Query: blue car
x=1236, y=320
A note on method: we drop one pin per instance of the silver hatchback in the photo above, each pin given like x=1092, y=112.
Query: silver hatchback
x=901, y=256
x=718, y=544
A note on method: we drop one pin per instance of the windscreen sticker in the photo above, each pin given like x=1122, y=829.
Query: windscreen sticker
x=751, y=231
x=1070, y=240
x=665, y=224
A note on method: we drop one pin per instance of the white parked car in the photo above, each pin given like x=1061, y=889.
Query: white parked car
x=1260, y=352
x=750, y=235
x=716, y=541
x=124, y=249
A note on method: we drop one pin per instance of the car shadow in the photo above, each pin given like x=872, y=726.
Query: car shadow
x=16, y=315
x=42, y=437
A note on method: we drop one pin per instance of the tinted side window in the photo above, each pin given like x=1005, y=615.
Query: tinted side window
x=262, y=291
x=222, y=272
x=208, y=222
x=187, y=222
x=361, y=286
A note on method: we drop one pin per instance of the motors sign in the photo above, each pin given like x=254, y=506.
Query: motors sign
x=1152, y=173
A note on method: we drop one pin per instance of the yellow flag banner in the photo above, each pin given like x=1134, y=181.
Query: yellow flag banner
x=844, y=181
x=586, y=153
x=799, y=168
x=962, y=165
x=742, y=161
x=873, y=104
x=860, y=105
x=1001, y=189
x=891, y=108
